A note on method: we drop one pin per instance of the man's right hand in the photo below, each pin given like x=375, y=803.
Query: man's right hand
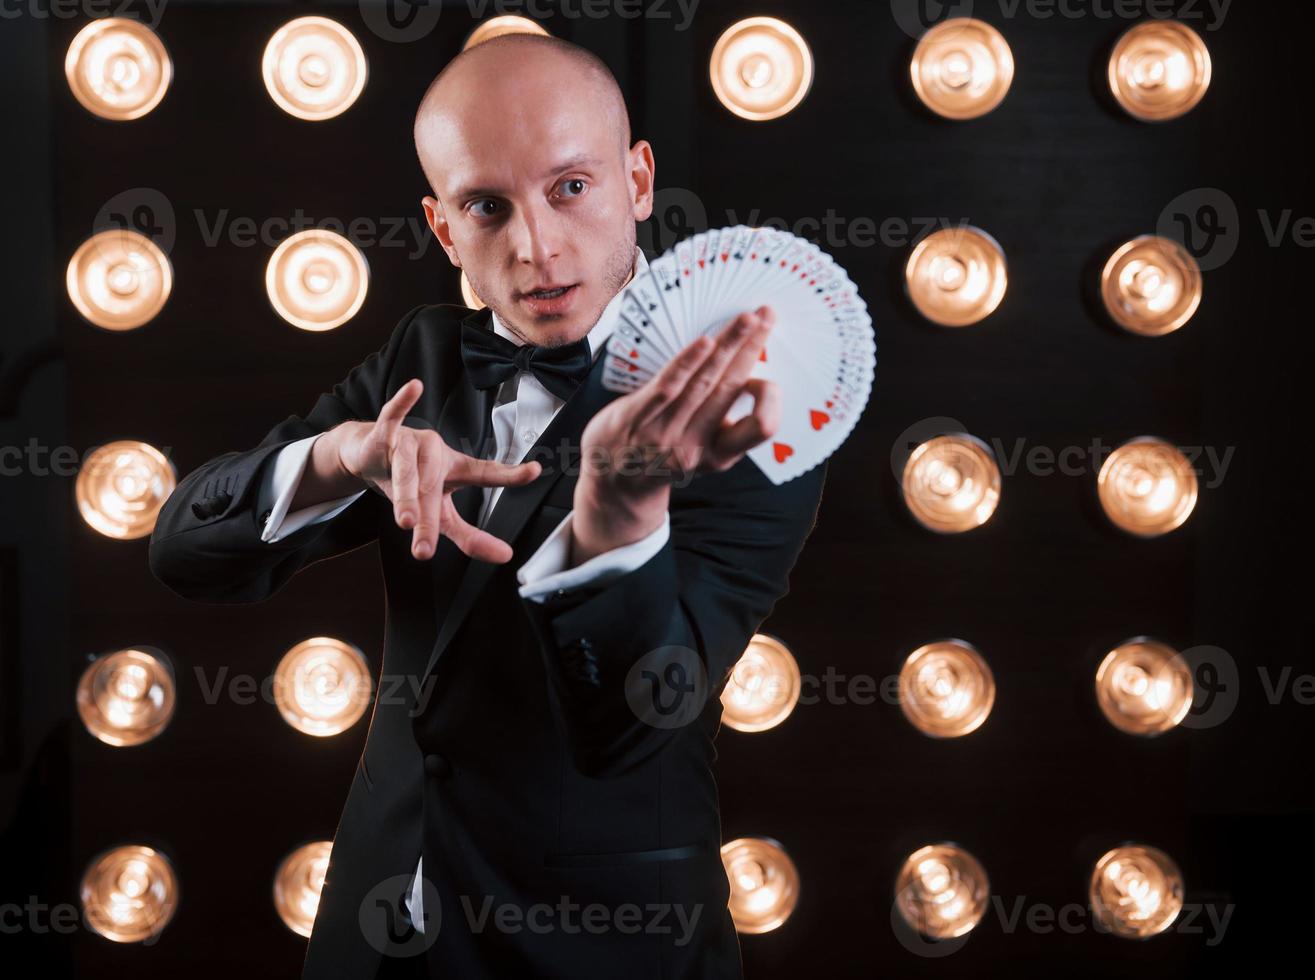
x=417, y=471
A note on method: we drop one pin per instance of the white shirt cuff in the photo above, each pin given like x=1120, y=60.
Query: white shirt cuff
x=280, y=486
x=547, y=570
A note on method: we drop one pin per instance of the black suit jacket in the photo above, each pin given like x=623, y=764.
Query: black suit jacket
x=556, y=767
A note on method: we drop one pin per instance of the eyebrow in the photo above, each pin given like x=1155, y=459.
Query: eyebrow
x=579, y=160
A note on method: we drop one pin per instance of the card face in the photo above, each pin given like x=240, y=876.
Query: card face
x=821, y=353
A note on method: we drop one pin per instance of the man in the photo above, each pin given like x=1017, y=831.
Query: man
x=542, y=804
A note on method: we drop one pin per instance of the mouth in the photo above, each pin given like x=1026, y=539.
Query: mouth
x=551, y=300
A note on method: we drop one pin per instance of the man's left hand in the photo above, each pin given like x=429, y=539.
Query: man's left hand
x=667, y=431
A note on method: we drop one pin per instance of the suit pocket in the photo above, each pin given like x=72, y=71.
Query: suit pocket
x=622, y=858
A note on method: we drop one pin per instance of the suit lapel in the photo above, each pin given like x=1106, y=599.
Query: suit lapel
x=467, y=410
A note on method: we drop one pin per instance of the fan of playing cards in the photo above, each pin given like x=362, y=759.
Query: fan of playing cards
x=821, y=352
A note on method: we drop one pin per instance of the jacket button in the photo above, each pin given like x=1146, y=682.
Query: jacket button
x=437, y=765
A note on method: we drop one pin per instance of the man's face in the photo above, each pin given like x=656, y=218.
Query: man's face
x=535, y=192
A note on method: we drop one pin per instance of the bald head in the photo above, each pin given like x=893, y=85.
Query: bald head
x=525, y=141
x=493, y=83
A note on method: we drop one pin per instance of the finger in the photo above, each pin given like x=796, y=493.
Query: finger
x=474, y=541
x=431, y=490
x=465, y=471
x=404, y=476
x=735, y=439
x=707, y=400
x=395, y=409
x=665, y=387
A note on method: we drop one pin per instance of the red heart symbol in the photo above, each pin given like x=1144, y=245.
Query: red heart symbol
x=782, y=451
x=762, y=354
x=818, y=419
x=634, y=353
x=829, y=403
x=725, y=256
x=701, y=261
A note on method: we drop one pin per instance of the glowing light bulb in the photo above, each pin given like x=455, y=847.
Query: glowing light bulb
x=504, y=24
x=322, y=686
x=298, y=884
x=956, y=276
x=1144, y=687
x=764, y=883
x=314, y=68
x=1136, y=891
x=1159, y=70
x=117, y=68
x=129, y=893
x=119, y=279
x=962, y=68
x=761, y=68
x=946, y=689
x=942, y=891
x=127, y=697
x=1147, y=487
x=951, y=483
x=763, y=687
x=1151, y=285
x=317, y=280
x=121, y=488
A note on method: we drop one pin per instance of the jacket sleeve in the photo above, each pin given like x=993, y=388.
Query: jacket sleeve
x=634, y=660
x=207, y=544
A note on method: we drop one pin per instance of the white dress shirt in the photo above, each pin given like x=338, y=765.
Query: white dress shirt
x=521, y=412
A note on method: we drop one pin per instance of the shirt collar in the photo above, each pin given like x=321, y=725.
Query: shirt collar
x=607, y=320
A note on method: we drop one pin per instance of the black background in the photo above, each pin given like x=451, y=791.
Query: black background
x=1056, y=174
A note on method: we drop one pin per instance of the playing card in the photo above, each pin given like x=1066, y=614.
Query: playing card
x=821, y=353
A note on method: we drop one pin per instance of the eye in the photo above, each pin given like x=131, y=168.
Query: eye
x=577, y=185
x=484, y=202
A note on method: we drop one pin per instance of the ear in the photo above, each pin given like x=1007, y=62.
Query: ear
x=640, y=167
x=437, y=222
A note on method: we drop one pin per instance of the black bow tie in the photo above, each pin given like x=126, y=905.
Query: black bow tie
x=491, y=360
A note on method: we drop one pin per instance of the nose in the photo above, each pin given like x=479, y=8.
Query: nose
x=536, y=233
